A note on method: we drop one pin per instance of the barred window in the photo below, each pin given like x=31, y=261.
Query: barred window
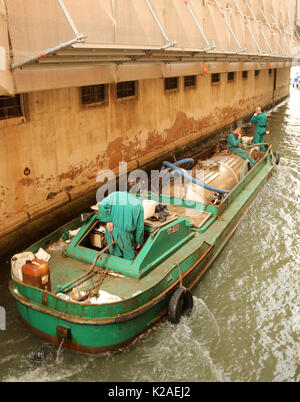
x=256, y=74
x=215, y=78
x=189, y=81
x=126, y=89
x=93, y=94
x=245, y=74
x=231, y=76
x=171, y=83
x=10, y=106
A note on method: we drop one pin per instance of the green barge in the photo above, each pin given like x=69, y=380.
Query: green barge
x=177, y=251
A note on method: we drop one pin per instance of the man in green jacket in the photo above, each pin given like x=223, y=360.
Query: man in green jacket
x=234, y=139
x=261, y=123
x=124, y=215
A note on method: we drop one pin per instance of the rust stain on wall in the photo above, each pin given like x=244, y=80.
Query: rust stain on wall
x=72, y=174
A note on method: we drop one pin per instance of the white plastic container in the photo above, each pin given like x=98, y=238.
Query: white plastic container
x=149, y=208
x=17, y=262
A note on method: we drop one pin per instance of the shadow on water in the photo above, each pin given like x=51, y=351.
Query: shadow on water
x=245, y=324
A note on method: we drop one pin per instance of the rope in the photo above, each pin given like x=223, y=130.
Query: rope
x=90, y=271
x=180, y=277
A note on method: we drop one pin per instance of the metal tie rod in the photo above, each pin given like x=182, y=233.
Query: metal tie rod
x=209, y=46
x=259, y=26
x=247, y=26
x=68, y=17
x=229, y=27
x=296, y=32
x=277, y=26
x=169, y=42
x=287, y=32
x=272, y=30
x=45, y=53
x=79, y=38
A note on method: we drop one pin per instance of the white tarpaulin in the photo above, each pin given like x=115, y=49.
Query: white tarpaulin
x=249, y=27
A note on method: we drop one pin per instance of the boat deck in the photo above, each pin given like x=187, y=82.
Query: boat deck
x=65, y=269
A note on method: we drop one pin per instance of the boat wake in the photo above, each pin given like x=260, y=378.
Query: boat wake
x=179, y=352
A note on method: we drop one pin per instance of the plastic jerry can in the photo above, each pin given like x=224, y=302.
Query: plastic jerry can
x=37, y=273
x=17, y=262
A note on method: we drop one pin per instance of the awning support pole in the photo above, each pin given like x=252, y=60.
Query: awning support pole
x=229, y=27
x=259, y=26
x=209, y=46
x=247, y=26
x=43, y=53
x=68, y=17
x=277, y=26
x=271, y=29
x=296, y=32
x=169, y=42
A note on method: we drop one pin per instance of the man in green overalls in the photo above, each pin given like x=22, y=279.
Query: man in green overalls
x=261, y=123
x=234, y=139
x=124, y=215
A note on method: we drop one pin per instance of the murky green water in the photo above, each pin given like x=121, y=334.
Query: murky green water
x=246, y=321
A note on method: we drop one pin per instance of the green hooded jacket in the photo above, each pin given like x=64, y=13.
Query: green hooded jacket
x=126, y=213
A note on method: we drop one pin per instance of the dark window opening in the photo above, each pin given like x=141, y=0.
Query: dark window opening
x=171, y=83
x=256, y=73
x=190, y=81
x=93, y=94
x=245, y=74
x=231, y=76
x=270, y=71
x=126, y=89
x=10, y=106
x=215, y=78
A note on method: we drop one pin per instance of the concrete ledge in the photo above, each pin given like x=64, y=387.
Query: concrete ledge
x=8, y=225
x=48, y=205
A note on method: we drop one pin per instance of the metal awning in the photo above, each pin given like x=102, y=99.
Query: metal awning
x=67, y=33
x=81, y=54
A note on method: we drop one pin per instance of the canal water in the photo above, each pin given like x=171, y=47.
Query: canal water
x=246, y=322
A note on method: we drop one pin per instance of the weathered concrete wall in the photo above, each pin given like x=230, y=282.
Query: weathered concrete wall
x=64, y=144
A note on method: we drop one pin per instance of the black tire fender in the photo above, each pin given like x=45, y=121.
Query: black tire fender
x=277, y=157
x=181, y=303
